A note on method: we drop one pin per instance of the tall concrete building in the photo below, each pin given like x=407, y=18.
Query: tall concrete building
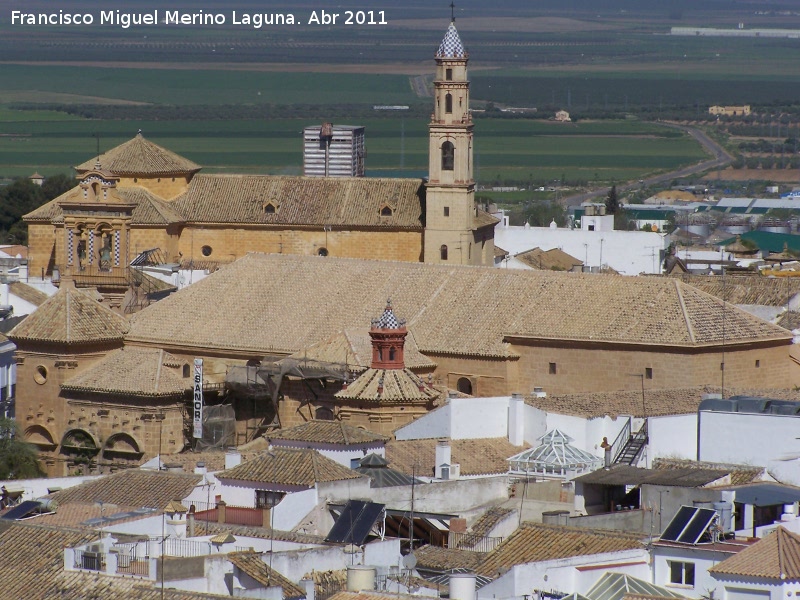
x=333, y=151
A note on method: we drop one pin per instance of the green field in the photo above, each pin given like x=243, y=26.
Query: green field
x=44, y=84
x=522, y=150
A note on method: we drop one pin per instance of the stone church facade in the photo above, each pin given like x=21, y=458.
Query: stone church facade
x=139, y=197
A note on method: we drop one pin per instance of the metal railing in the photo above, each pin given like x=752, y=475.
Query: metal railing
x=90, y=561
x=131, y=560
x=622, y=439
x=469, y=541
x=184, y=548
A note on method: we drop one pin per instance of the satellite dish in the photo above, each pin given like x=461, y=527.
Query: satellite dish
x=409, y=561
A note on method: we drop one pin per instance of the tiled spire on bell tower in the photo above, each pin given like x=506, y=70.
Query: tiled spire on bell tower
x=388, y=335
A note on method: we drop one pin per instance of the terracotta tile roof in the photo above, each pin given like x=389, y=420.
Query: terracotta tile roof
x=476, y=457
x=325, y=581
x=132, y=487
x=498, y=303
x=535, y=542
x=74, y=514
x=334, y=201
x=769, y=291
x=354, y=348
x=488, y=520
x=33, y=556
x=554, y=259
x=500, y=252
x=776, y=556
x=389, y=386
x=739, y=474
x=139, y=156
x=148, y=209
x=82, y=585
x=214, y=460
x=435, y=558
x=289, y=466
x=132, y=371
x=253, y=565
x=483, y=219
x=597, y=404
x=71, y=317
x=327, y=432
x=27, y=293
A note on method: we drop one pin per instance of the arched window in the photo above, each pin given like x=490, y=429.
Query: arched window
x=448, y=103
x=380, y=353
x=391, y=353
x=443, y=252
x=448, y=156
x=324, y=414
x=187, y=371
x=322, y=252
x=464, y=386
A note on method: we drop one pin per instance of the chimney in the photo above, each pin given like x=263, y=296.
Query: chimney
x=4, y=293
x=462, y=586
x=360, y=577
x=516, y=420
x=190, y=522
x=232, y=459
x=310, y=590
x=443, y=457
x=200, y=468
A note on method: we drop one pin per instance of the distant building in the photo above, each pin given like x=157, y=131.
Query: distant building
x=730, y=111
x=562, y=116
x=37, y=179
x=333, y=151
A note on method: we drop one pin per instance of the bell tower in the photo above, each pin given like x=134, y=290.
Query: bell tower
x=450, y=214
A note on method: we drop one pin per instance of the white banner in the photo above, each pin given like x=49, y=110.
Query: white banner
x=197, y=401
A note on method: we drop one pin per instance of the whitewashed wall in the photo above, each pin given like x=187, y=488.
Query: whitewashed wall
x=748, y=439
x=672, y=437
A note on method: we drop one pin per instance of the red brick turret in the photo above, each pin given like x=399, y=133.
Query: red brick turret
x=388, y=335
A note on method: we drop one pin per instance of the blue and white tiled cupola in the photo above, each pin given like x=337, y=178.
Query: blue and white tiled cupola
x=451, y=46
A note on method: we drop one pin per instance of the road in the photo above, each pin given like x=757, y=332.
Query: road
x=721, y=159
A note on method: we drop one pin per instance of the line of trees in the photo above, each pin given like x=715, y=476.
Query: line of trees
x=21, y=197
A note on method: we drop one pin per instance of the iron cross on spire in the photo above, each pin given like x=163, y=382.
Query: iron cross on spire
x=453, y=12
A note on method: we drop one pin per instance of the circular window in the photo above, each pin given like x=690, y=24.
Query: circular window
x=206, y=250
x=40, y=375
x=322, y=252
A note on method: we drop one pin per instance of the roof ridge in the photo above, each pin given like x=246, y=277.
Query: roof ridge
x=314, y=466
x=160, y=359
x=685, y=312
x=67, y=307
x=345, y=437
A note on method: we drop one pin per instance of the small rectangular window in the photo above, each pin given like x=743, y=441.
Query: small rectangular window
x=553, y=368
x=758, y=364
x=648, y=373
x=446, y=211
x=448, y=74
x=681, y=573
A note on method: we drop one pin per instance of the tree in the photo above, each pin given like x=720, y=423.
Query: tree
x=17, y=457
x=612, y=201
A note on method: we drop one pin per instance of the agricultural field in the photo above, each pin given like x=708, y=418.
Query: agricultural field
x=200, y=90
x=529, y=151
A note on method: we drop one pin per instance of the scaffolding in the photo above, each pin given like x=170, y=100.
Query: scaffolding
x=263, y=382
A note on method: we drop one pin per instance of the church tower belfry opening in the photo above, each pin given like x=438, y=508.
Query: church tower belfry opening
x=453, y=234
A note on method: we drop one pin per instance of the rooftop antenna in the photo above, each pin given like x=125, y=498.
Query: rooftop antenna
x=452, y=12
x=96, y=136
